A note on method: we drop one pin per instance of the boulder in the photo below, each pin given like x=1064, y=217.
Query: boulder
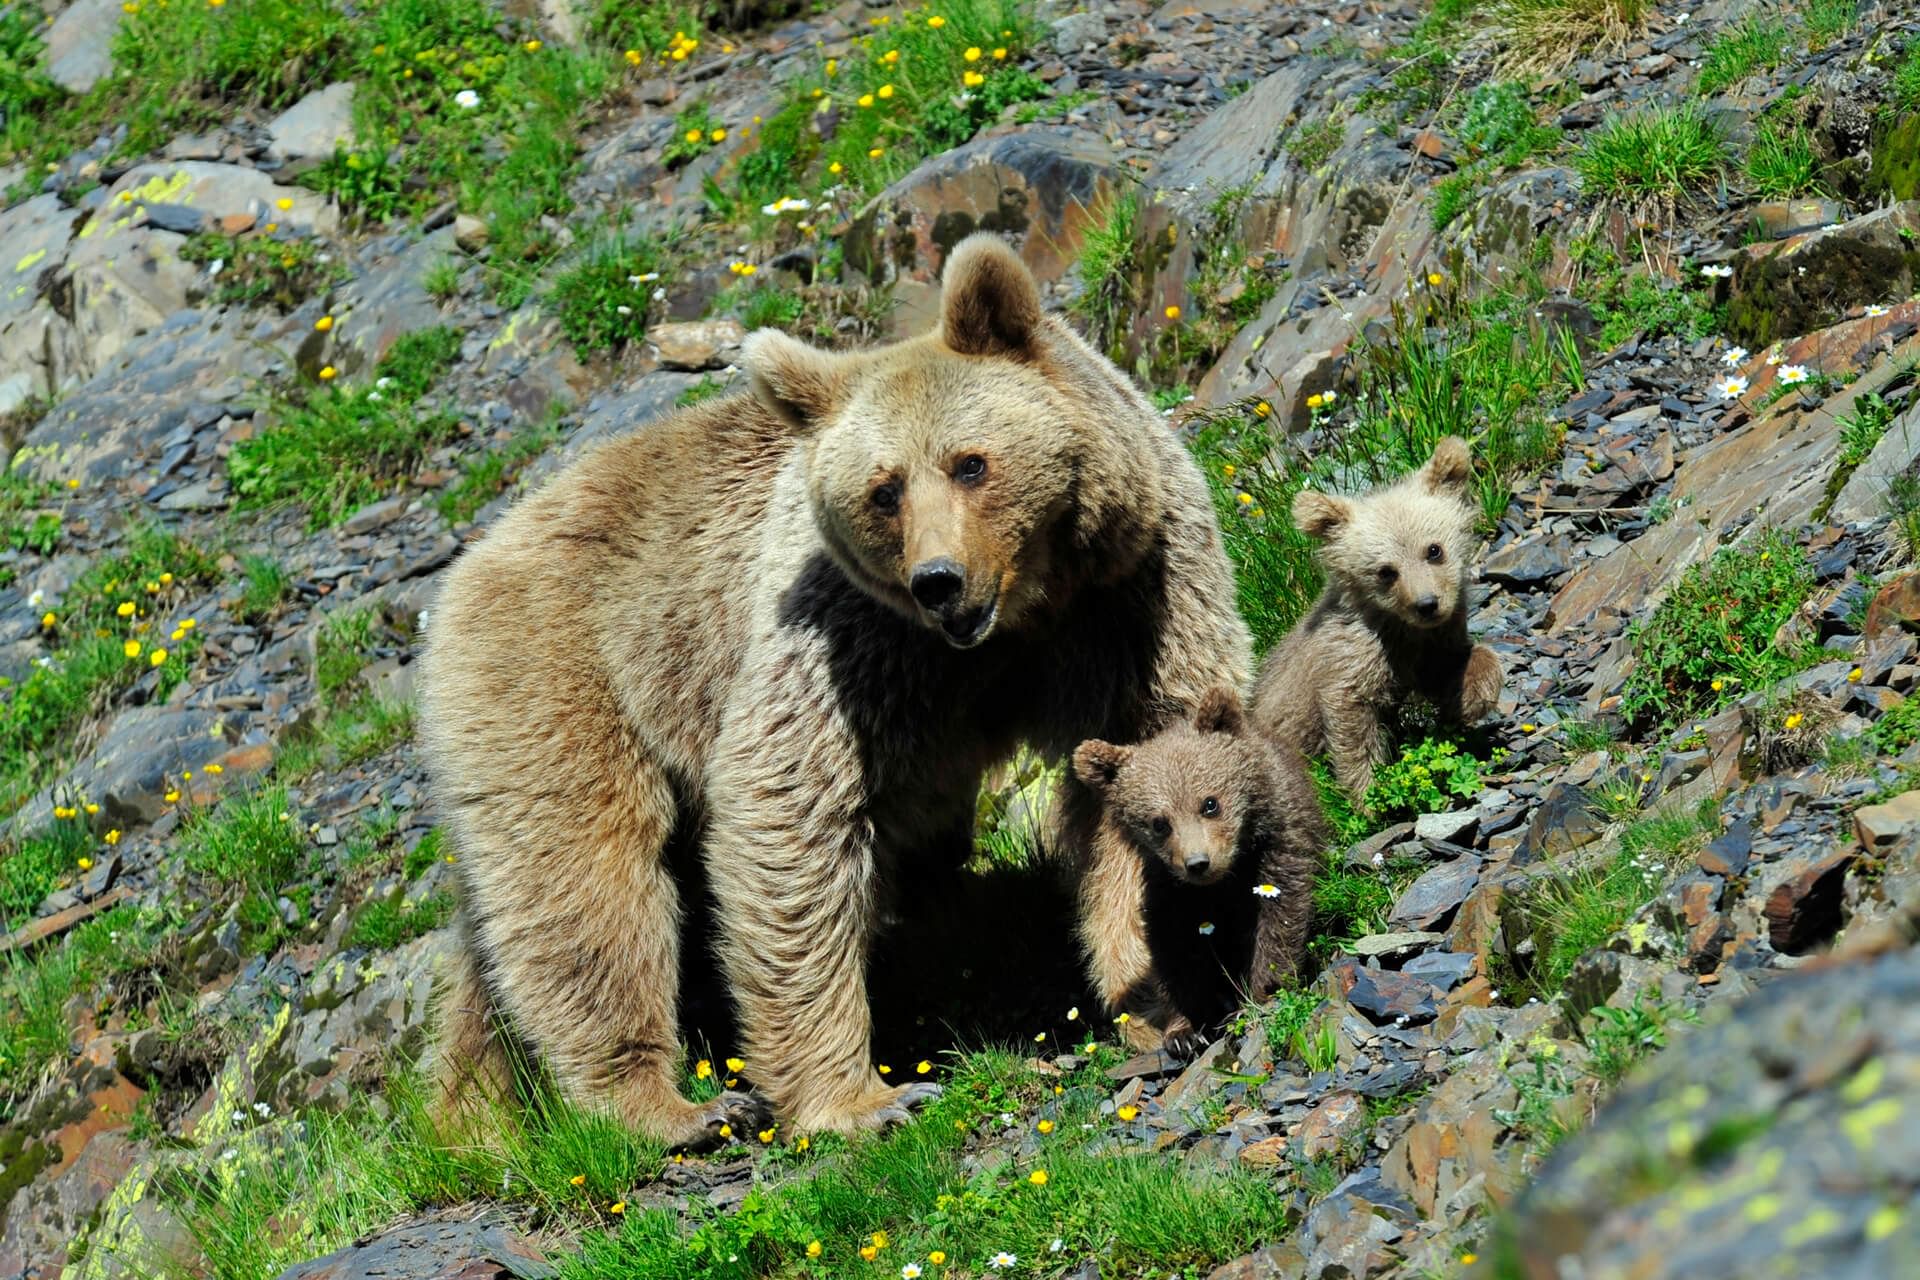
x=439, y=1247
x=1808, y=281
x=79, y=50
x=314, y=127
x=694, y=345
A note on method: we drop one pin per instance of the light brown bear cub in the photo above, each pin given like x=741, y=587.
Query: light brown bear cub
x=1227, y=828
x=785, y=633
x=1392, y=621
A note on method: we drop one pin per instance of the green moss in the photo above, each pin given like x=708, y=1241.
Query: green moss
x=1896, y=158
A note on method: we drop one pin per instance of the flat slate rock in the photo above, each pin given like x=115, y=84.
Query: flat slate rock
x=483, y=1248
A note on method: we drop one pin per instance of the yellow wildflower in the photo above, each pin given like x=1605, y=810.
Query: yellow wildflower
x=876, y=153
x=973, y=79
x=886, y=91
x=879, y=1239
x=172, y=797
x=1173, y=313
x=1227, y=469
x=736, y=1064
x=324, y=323
x=726, y=1131
x=328, y=373
x=765, y=1136
x=923, y=1066
x=834, y=167
x=216, y=769
x=833, y=66
x=718, y=135
x=131, y=648
x=1717, y=685
x=157, y=657
x=937, y=1257
x=47, y=619
x=1314, y=401
x=893, y=56
x=1045, y=1126
x=618, y=1206
x=1435, y=279
x=633, y=57
x=1262, y=409
x=972, y=54
x=91, y=808
x=1127, y=1112
x=284, y=203
x=1793, y=721
x=1038, y=1177
x=868, y=1252
x=693, y=135
x=112, y=837
x=885, y=1070
x=125, y=609
x=1853, y=676
x=86, y=864
x=532, y=46
x=936, y=22
x=578, y=1180
x=1000, y=54
x=702, y=1069
x=813, y=1248
x=866, y=99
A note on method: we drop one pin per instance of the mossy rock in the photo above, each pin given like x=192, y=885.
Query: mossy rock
x=1812, y=283
x=1896, y=159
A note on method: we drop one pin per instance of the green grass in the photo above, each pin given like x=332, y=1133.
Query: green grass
x=26, y=95
x=1619, y=1038
x=1656, y=152
x=1575, y=913
x=1312, y=145
x=36, y=987
x=1904, y=92
x=1499, y=125
x=648, y=28
x=1898, y=728
x=1712, y=639
x=335, y=448
x=281, y=269
x=1863, y=429
x=388, y=923
x=265, y=586
x=1107, y=269
x=442, y=279
x=602, y=300
x=1781, y=163
x=1827, y=20
x=249, y=842
x=35, y=867
x=1758, y=42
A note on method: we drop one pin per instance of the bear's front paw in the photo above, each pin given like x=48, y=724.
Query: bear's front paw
x=731, y=1117
x=1183, y=1040
x=879, y=1110
x=1480, y=685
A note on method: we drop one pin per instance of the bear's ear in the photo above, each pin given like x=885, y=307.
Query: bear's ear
x=1320, y=515
x=1220, y=712
x=1448, y=470
x=1098, y=763
x=800, y=383
x=989, y=305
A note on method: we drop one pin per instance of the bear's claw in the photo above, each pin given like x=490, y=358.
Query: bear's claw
x=740, y=1113
x=900, y=1108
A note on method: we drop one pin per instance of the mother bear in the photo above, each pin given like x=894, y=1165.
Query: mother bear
x=796, y=627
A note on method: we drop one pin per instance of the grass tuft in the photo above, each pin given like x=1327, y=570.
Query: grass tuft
x=1657, y=152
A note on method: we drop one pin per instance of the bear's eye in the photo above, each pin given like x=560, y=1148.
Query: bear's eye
x=1434, y=554
x=1388, y=574
x=1161, y=828
x=886, y=498
x=1210, y=808
x=971, y=470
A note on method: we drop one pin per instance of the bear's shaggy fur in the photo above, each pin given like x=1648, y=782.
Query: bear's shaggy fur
x=790, y=630
x=1392, y=621
x=1227, y=827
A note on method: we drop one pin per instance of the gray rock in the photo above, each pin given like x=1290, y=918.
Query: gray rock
x=1444, y=969
x=315, y=126
x=444, y=1245
x=177, y=218
x=1529, y=563
x=1864, y=496
x=1453, y=827
x=1390, y=946
x=79, y=50
x=1431, y=899
x=697, y=344
x=1076, y=31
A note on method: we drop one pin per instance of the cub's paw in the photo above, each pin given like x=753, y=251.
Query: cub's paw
x=1184, y=1040
x=731, y=1117
x=899, y=1108
x=880, y=1109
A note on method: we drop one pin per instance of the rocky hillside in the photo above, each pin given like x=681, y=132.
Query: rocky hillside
x=297, y=297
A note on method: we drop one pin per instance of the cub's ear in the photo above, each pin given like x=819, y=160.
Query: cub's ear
x=1448, y=470
x=800, y=383
x=1320, y=515
x=1098, y=763
x=1220, y=712
x=989, y=305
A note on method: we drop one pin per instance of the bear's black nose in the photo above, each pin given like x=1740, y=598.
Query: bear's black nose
x=1427, y=606
x=936, y=584
x=1197, y=864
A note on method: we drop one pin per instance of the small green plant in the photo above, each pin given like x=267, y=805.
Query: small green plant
x=387, y=923
x=281, y=271
x=1107, y=269
x=1316, y=1044
x=705, y=389
x=1757, y=42
x=1828, y=20
x=1312, y=145
x=341, y=649
x=1285, y=1021
x=26, y=94
x=1898, y=728
x=648, y=28
x=1499, y=124
x=695, y=132
x=1542, y=1086
x=1780, y=163
x=1581, y=736
x=1428, y=777
x=1452, y=195
x=442, y=280
x=602, y=301
x=36, y=987
x=1618, y=1038
x=249, y=842
x=363, y=181
x=266, y=586
x=1713, y=637
x=336, y=448
x=1662, y=152
x=1054, y=108
x=1629, y=306
x=1904, y=92
x=1862, y=429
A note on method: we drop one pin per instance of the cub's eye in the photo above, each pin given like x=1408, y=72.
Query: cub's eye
x=886, y=498
x=972, y=469
x=1162, y=828
x=1210, y=808
x=1388, y=574
x=1434, y=554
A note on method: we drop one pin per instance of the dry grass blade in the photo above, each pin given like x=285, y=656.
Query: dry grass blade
x=1538, y=37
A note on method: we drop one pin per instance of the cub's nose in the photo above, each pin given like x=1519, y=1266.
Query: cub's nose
x=1427, y=606
x=936, y=584
x=1197, y=864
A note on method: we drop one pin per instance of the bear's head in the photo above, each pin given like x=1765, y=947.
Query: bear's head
x=1401, y=551
x=1184, y=796
x=970, y=476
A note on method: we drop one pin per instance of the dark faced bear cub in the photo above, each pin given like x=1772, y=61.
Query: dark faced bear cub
x=1227, y=826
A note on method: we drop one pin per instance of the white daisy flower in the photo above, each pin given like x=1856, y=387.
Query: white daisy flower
x=1793, y=373
x=624, y=310
x=1720, y=272
x=1206, y=930
x=910, y=1272
x=466, y=99
x=1002, y=1261
x=1729, y=388
x=1266, y=890
x=1875, y=309
x=1733, y=356
x=1073, y=1013
x=37, y=599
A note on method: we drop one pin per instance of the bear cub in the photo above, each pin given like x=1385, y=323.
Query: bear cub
x=1227, y=827
x=1391, y=622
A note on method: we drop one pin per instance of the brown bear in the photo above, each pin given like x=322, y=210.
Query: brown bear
x=1391, y=622
x=1227, y=828
x=788, y=630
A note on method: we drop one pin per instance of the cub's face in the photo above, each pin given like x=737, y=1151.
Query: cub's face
x=942, y=471
x=1183, y=796
x=1403, y=549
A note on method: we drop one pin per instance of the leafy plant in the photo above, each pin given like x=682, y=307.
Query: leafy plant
x=603, y=299
x=1713, y=637
x=1863, y=429
x=695, y=132
x=266, y=587
x=1312, y=145
x=1429, y=777
x=280, y=270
